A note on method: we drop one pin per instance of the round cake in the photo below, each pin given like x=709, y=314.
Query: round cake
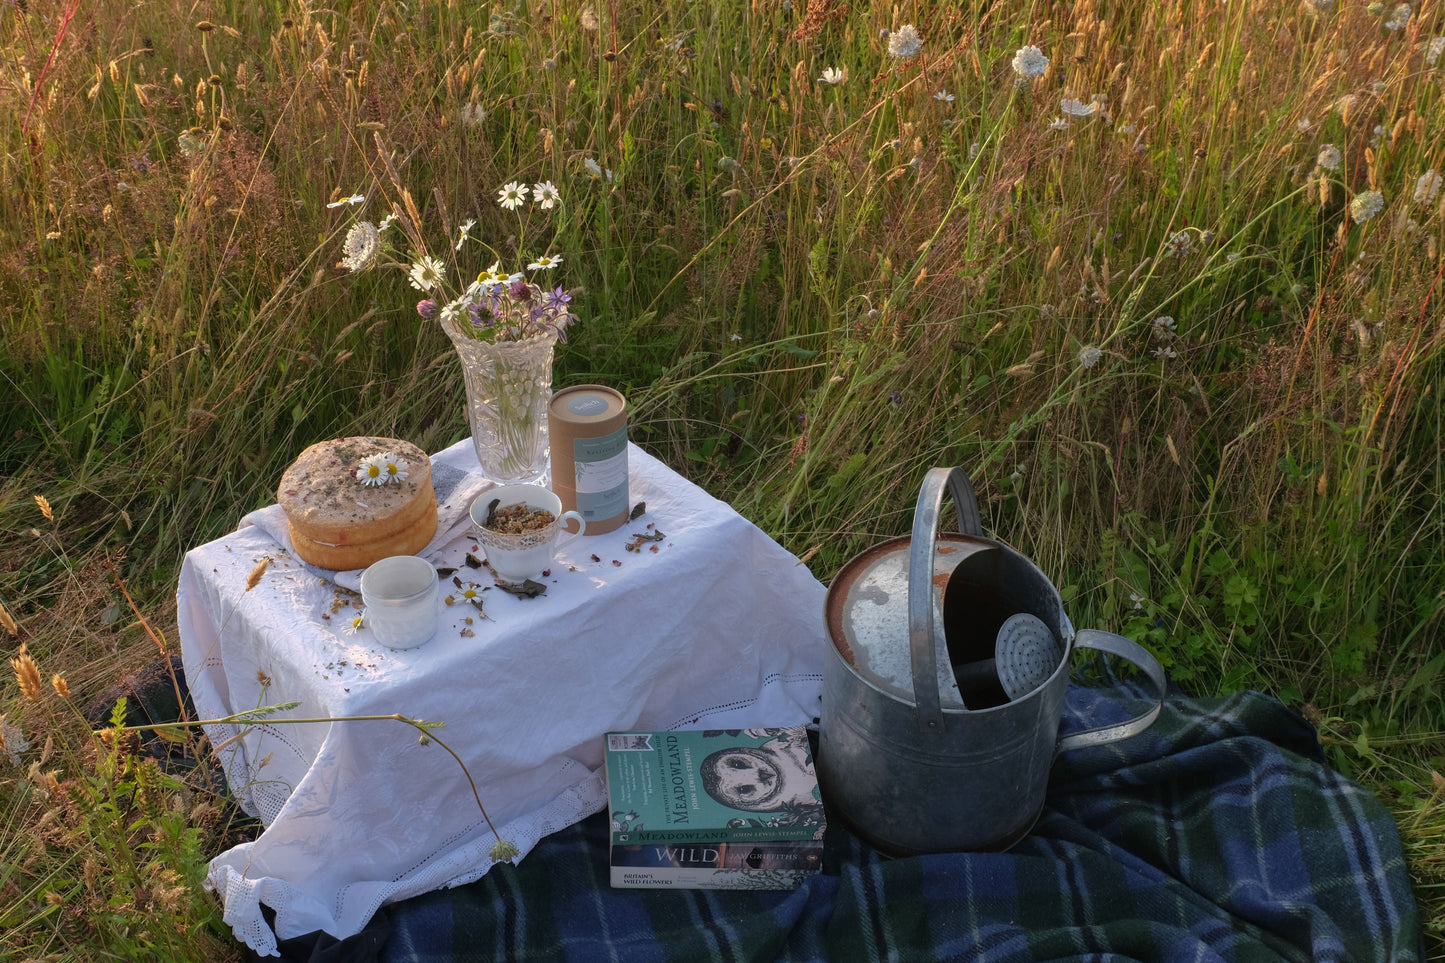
x=353, y=501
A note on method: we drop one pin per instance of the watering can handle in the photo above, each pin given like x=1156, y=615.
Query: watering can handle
x=921, y=640
x=1130, y=651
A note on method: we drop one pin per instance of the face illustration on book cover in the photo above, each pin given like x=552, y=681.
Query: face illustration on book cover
x=776, y=777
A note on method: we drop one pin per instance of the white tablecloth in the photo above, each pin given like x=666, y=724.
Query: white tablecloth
x=719, y=628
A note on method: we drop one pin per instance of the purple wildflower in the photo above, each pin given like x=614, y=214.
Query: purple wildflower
x=427, y=308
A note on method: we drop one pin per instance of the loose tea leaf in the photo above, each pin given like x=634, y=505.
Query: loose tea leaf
x=637, y=510
x=473, y=561
x=444, y=572
x=528, y=589
x=491, y=512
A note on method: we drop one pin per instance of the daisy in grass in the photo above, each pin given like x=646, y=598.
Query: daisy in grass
x=426, y=273
x=1029, y=62
x=546, y=195
x=512, y=195
x=1366, y=205
x=351, y=201
x=944, y=96
x=545, y=263
x=833, y=75
x=359, y=250
x=904, y=42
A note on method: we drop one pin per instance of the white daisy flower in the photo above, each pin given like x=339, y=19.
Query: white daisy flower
x=463, y=230
x=1366, y=205
x=394, y=468
x=834, y=75
x=512, y=195
x=1329, y=157
x=360, y=247
x=545, y=263
x=904, y=42
x=1427, y=188
x=355, y=625
x=426, y=273
x=351, y=201
x=1030, y=62
x=944, y=96
x=546, y=194
x=386, y=222
x=372, y=470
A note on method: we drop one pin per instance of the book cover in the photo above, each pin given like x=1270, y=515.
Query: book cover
x=714, y=808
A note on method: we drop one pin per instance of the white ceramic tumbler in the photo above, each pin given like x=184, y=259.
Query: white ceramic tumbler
x=400, y=594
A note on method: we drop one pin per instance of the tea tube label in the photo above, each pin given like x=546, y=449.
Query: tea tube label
x=601, y=475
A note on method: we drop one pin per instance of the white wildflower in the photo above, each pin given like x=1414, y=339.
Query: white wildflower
x=1077, y=108
x=1366, y=205
x=473, y=115
x=512, y=195
x=386, y=222
x=596, y=169
x=426, y=273
x=1164, y=353
x=12, y=742
x=1329, y=157
x=1089, y=355
x=1427, y=188
x=351, y=201
x=588, y=21
x=545, y=263
x=1399, y=18
x=1303, y=125
x=372, y=471
x=394, y=468
x=834, y=75
x=546, y=195
x=1164, y=328
x=358, y=251
x=904, y=42
x=463, y=230
x=1030, y=62
x=1058, y=123
x=944, y=96
x=1433, y=50
x=1181, y=243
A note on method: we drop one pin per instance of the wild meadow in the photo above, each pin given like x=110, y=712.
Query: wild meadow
x=1164, y=277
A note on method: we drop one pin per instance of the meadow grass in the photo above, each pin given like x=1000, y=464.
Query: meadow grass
x=1147, y=299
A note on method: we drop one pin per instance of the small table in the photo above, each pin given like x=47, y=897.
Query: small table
x=720, y=627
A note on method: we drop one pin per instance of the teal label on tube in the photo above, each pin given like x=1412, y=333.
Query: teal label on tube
x=601, y=467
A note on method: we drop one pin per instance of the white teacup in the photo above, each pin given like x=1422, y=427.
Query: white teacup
x=400, y=594
x=518, y=557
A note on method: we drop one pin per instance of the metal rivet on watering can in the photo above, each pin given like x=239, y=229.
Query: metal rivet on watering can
x=945, y=689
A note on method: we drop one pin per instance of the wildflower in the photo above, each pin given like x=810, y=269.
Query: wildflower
x=12, y=742
x=427, y=308
x=394, y=468
x=1126, y=129
x=1164, y=353
x=1329, y=157
x=1321, y=6
x=494, y=276
x=462, y=232
x=1366, y=205
x=1089, y=355
x=904, y=42
x=596, y=169
x=1077, y=108
x=1181, y=243
x=556, y=299
x=1137, y=599
x=545, y=263
x=1164, y=328
x=426, y=273
x=1030, y=62
x=588, y=21
x=1058, y=123
x=355, y=625
x=1427, y=188
x=386, y=222
x=546, y=194
x=351, y=201
x=1399, y=18
x=503, y=851
x=834, y=75
x=372, y=470
x=473, y=115
x=1303, y=125
x=1433, y=50
x=729, y=164
x=944, y=96
x=512, y=195
x=27, y=674
x=358, y=251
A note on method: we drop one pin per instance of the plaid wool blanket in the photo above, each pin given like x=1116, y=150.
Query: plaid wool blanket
x=1219, y=834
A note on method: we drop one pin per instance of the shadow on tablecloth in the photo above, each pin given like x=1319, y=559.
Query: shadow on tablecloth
x=1219, y=834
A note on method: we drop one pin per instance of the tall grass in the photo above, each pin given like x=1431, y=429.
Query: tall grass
x=1191, y=383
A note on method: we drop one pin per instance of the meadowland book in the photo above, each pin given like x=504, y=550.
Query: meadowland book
x=713, y=809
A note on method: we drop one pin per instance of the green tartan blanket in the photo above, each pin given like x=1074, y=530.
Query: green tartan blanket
x=1219, y=834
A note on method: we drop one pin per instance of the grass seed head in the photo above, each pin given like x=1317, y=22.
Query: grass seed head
x=27, y=674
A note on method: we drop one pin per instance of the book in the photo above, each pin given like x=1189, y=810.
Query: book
x=713, y=809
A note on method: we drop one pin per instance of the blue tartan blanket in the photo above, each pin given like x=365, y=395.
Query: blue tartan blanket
x=1219, y=834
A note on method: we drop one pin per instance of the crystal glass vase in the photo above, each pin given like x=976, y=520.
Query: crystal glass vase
x=509, y=385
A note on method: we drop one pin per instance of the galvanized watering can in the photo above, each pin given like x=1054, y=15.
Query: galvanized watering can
x=943, y=695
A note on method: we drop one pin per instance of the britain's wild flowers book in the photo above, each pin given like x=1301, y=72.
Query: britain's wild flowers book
x=714, y=808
